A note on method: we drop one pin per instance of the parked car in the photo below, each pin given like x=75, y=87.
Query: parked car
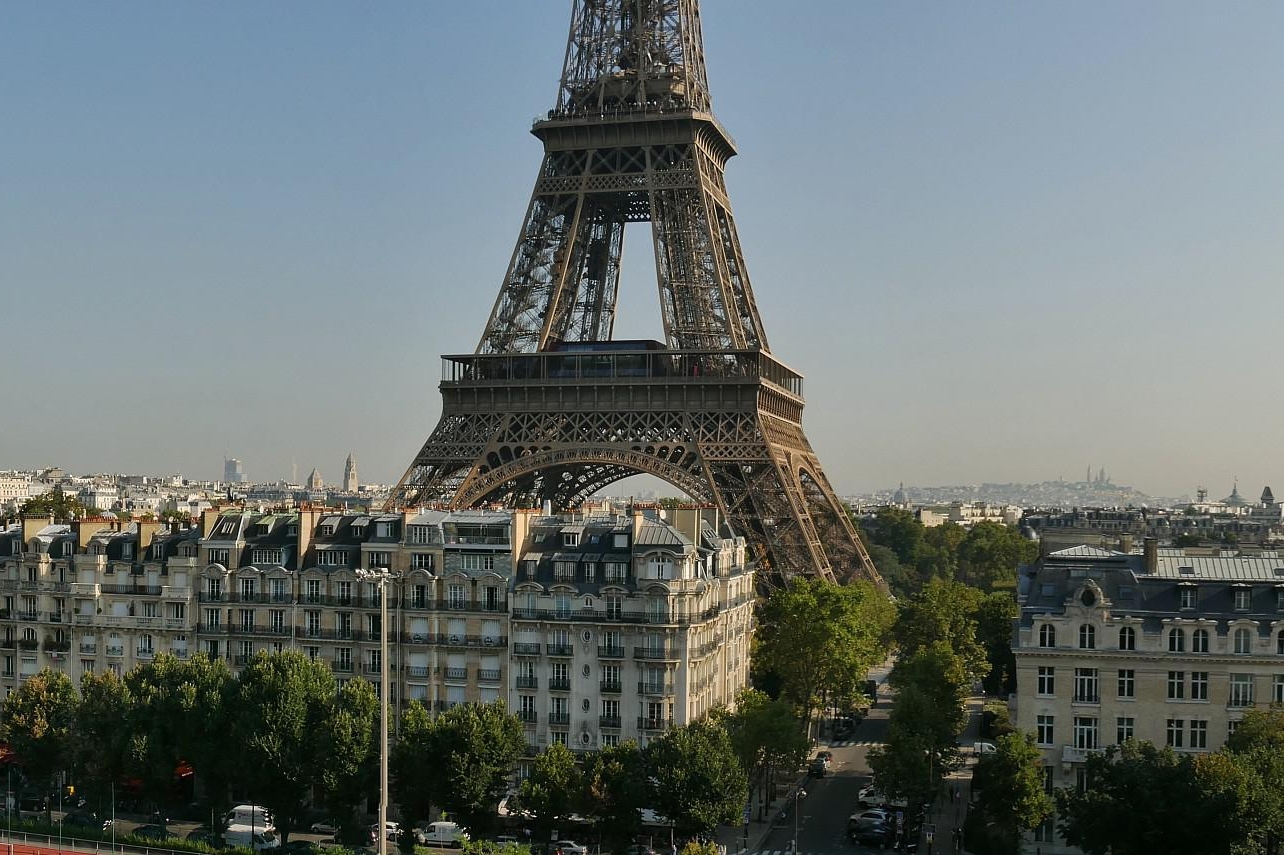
x=84, y=819
x=640, y=849
x=827, y=756
x=325, y=826
x=872, y=834
x=984, y=748
x=203, y=834
x=870, y=796
x=153, y=832
x=570, y=847
x=872, y=815
x=818, y=768
x=32, y=807
x=506, y=840
x=390, y=830
x=255, y=816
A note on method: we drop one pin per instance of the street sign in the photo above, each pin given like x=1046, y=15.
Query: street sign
x=900, y=819
x=748, y=811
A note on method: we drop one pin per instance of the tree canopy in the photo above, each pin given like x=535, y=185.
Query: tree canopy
x=695, y=779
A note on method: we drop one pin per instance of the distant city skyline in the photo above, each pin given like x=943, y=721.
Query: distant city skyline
x=1001, y=241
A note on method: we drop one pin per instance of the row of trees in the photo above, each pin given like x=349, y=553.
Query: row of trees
x=816, y=642
x=276, y=733
x=908, y=554
x=280, y=734
x=938, y=633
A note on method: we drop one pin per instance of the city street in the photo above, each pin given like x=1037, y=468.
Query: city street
x=822, y=814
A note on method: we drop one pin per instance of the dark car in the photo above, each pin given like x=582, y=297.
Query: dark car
x=872, y=833
x=640, y=849
x=83, y=819
x=153, y=832
x=818, y=768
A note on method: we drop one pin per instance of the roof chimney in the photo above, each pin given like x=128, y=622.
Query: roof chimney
x=1150, y=549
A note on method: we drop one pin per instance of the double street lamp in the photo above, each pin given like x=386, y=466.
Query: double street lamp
x=381, y=576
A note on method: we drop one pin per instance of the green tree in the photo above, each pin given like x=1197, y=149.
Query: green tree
x=942, y=613
x=924, y=723
x=551, y=792
x=994, y=616
x=938, y=557
x=1139, y=780
x=472, y=751
x=182, y=711
x=843, y=631
x=614, y=794
x=696, y=780
x=412, y=753
x=102, y=736
x=38, y=721
x=56, y=504
x=283, y=700
x=990, y=554
x=901, y=580
x=765, y=735
x=1257, y=745
x=1011, y=791
x=350, y=748
x=899, y=530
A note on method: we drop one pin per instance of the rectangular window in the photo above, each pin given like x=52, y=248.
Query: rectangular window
x=1198, y=734
x=312, y=590
x=1174, y=732
x=419, y=597
x=1043, y=729
x=379, y=560
x=332, y=557
x=473, y=561
x=421, y=561
x=1124, y=728
x=1277, y=689
x=1199, y=685
x=1176, y=685
x=417, y=535
x=1187, y=597
x=1241, y=690
x=1085, y=686
x=213, y=618
x=343, y=592
x=455, y=596
x=1085, y=733
x=1241, y=599
x=564, y=571
x=1047, y=680
x=219, y=556
x=1127, y=683
x=614, y=607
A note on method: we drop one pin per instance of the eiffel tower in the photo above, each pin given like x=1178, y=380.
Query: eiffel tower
x=550, y=407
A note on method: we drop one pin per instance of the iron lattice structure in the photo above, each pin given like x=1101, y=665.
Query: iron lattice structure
x=549, y=407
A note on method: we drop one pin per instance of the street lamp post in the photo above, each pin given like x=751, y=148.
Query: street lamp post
x=799, y=793
x=381, y=576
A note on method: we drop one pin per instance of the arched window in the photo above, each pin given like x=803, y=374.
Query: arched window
x=1127, y=638
x=1199, y=641
x=1243, y=641
x=1176, y=641
x=1087, y=636
x=1047, y=635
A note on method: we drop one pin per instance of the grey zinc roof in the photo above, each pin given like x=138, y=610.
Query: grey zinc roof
x=658, y=534
x=1233, y=568
x=1085, y=552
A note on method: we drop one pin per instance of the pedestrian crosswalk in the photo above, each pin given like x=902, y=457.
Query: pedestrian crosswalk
x=845, y=743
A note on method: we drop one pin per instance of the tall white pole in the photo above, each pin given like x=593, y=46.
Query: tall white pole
x=383, y=714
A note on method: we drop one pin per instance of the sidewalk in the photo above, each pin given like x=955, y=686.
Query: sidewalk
x=948, y=812
x=755, y=831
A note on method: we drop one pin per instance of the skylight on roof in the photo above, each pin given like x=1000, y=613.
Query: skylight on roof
x=1186, y=571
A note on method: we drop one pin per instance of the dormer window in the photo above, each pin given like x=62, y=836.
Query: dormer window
x=127, y=550
x=326, y=531
x=1047, y=635
x=383, y=529
x=570, y=538
x=292, y=530
x=1186, y=596
x=621, y=541
x=1241, y=599
x=1087, y=636
x=358, y=531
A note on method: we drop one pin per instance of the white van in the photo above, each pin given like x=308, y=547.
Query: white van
x=441, y=833
x=259, y=839
x=252, y=816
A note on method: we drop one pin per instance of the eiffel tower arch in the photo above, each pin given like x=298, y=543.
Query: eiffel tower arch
x=550, y=407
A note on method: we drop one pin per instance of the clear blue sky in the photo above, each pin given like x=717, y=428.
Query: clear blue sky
x=1002, y=240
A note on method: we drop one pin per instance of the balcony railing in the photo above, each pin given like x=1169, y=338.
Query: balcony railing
x=653, y=653
x=527, y=682
x=526, y=648
x=528, y=716
x=418, y=670
x=456, y=673
x=610, y=687
x=559, y=718
x=645, y=688
x=1086, y=698
x=608, y=720
x=560, y=649
x=341, y=667
x=559, y=684
x=89, y=649
x=648, y=723
x=489, y=675
x=610, y=652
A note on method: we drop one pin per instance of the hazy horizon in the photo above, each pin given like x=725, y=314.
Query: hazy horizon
x=1002, y=241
